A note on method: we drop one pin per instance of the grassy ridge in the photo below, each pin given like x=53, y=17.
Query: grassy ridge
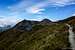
x=42, y=37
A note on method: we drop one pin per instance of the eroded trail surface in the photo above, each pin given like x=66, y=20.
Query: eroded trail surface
x=71, y=37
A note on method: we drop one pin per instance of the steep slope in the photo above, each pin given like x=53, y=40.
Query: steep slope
x=70, y=20
x=24, y=25
x=45, y=21
x=39, y=37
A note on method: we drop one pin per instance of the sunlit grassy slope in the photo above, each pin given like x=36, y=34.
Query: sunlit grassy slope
x=52, y=36
x=42, y=37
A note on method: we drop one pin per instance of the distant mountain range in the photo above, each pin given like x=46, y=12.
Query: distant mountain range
x=27, y=25
x=4, y=28
x=69, y=20
x=37, y=35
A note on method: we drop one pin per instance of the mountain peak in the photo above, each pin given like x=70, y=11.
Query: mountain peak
x=46, y=20
x=24, y=25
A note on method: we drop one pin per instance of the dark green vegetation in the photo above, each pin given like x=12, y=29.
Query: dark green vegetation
x=52, y=36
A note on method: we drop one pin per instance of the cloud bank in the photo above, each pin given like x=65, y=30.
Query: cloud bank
x=8, y=21
x=36, y=8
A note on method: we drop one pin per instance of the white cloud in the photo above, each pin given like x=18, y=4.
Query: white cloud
x=28, y=6
x=35, y=10
x=61, y=2
x=9, y=20
x=73, y=14
x=21, y=6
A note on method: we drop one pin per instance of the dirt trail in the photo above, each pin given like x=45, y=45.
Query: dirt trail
x=71, y=37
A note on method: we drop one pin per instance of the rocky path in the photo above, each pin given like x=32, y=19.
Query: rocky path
x=71, y=37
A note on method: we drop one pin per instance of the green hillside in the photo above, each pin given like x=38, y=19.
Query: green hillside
x=52, y=36
x=42, y=37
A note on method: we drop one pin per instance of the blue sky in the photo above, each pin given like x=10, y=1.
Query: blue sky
x=13, y=11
